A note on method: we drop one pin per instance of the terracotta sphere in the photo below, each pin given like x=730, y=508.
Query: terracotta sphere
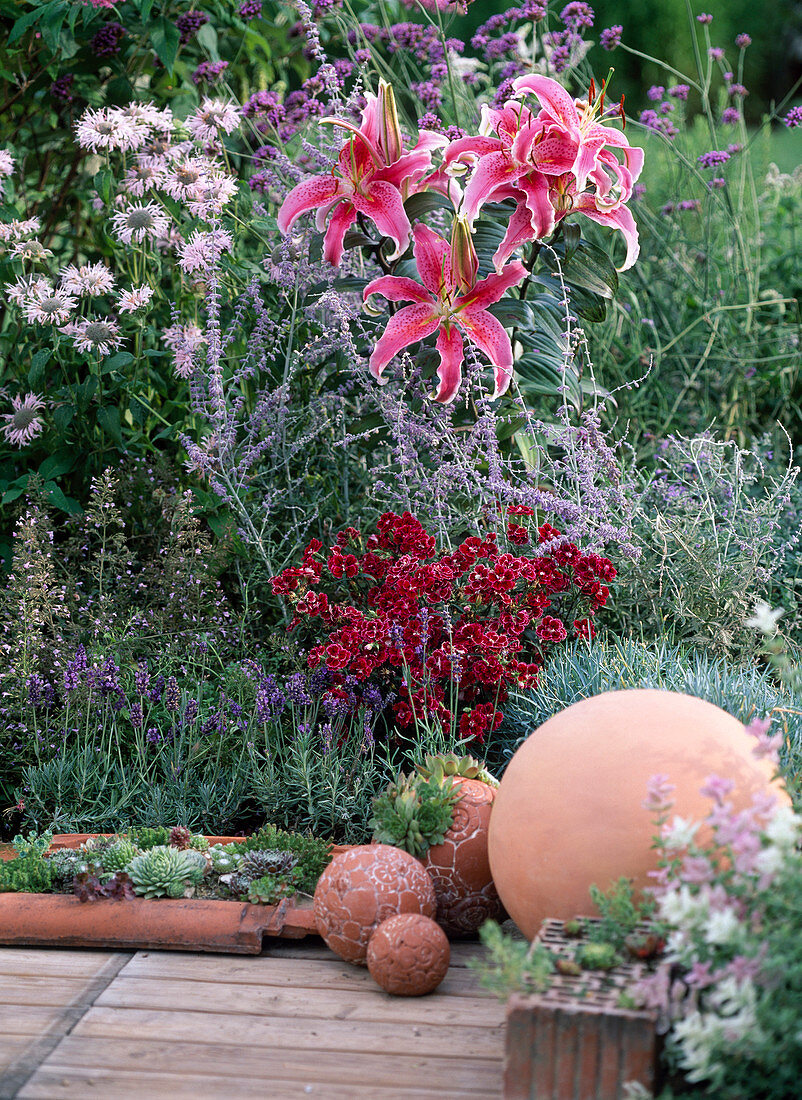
x=408, y=955
x=361, y=888
x=460, y=867
x=568, y=812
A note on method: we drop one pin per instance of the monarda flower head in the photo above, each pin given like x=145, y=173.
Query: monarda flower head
x=23, y=423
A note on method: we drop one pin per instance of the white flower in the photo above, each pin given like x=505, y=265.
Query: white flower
x=139, y=222
x=722, y=926
x=135, y=298
x=680, y=907
x=212, y=117
x=49, y=307
x=764, y=619
x=203, y=250
x=7, y=163
x=107, y=128
x=783, y=828
x=679, y=834
x=88, y=279
x=96, y=336
x=26, y=286
x=30, y=250
x=16, y=229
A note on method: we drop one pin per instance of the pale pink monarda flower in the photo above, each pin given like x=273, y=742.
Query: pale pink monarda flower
x=213, y=117
x=7, y=163
x=210, y=196
x=96, y=336
x=53, y=307
x=18, y=228
x=140, y=222
x=185, y=340
x=86, y=280
x=106, y=129
x=184, y=175
x=30, y=251
x=203, y=250
x=23, y=423
x=450, y=302
x=26, y=286
x=140, y=178
x=134, y=299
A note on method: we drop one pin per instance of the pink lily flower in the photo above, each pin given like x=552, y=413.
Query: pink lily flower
x=449, y=300
x=576, y=119
x=373, y=176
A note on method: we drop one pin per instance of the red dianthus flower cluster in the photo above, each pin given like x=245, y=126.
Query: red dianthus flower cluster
x=450, y=630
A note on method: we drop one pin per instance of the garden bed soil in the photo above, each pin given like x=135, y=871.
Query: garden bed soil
x=185, y=924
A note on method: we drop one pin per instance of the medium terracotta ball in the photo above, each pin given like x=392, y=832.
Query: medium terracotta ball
x=408, y=955
x=361, y=888
x=460, y=866
x=569, y=813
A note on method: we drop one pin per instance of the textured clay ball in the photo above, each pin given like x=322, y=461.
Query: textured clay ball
x=569, y=813
x=408, y=955
x=361, y=888
x=460, y=866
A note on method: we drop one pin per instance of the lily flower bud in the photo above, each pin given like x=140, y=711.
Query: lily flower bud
x=464, y=261
x=390, y=138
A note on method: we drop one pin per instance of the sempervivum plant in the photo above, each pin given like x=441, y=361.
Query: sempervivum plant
x=65, y=864
x=117, y=856
x=443, y=765
x=166, y=872
x=260, y=863
x=270, y=889
x=414, y=813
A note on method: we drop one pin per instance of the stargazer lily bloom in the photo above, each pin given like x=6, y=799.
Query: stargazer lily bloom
x=450, y=302
x=518, y=155
x=372, y=177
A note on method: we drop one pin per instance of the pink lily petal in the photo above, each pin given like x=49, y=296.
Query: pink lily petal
x=407, y=168
x=356, y=160
x=452, y=353
x=491, y=172
x=557, y=102
x=490, y=289
x=322, y=214
x=306, y=196
x=383, y=204
x=470, y=147
x=396, y=288
x=408, y=326
x=519, y=232
x=586, y=160
x=506, y=121
x=536, y=189
x=433, y=258
x=487, y=332
x=342, y=220
x=552, y=154
x=620, y=218
x=441, y=182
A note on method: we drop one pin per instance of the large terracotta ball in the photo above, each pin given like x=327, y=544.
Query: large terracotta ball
x=568, y=812
x=460, y=866
x=408, y=955
x=361, y=888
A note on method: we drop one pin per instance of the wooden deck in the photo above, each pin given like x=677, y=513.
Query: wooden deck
x=293, y=1022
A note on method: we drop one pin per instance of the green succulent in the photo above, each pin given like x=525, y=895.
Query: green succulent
x=270, y=889
x=33, y=844
x=28, y=874
x=118, y=855
x=224, y=860
x=597, y=956
x=266, y=861
x=147, y=837
x=163, y=871
x=441, y=766
x=65, y=864
x=314, y=855
x=199, y=842
x=414, y=813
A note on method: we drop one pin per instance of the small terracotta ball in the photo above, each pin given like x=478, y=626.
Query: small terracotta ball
x=361, y=888
x=408, y=955
x=569, y=813
x=460, y=866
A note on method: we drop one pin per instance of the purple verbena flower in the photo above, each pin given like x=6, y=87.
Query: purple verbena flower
x=611, y=37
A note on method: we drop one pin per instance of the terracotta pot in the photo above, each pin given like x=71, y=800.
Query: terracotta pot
x=574, y=1041
x=460, y=866
x=569, y=812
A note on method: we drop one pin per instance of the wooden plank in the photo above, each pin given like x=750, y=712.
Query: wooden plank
x=329, y=973
x=54, y=1081
x=314, y=948
x=300, y=1003
x=11, y=1047
x=465, y=1042
x=361, y=1071
x=50, y=962
x=27, y=1019
x=33, y=989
